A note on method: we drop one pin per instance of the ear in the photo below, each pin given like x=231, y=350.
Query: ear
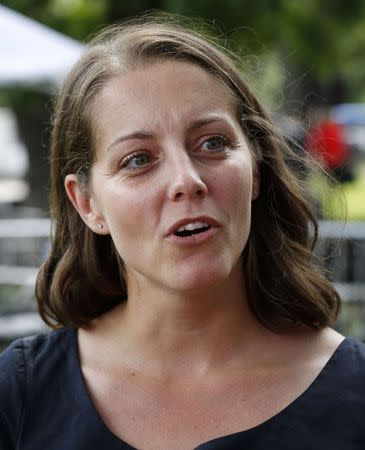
x=256, y=181
x=85, y=205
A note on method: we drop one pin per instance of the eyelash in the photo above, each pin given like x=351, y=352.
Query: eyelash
x=225, y=142
x=130, y=157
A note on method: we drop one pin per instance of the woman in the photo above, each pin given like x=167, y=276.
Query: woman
x=187, y=311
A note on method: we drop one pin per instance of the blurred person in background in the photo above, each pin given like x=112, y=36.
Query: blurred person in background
x=186, y=309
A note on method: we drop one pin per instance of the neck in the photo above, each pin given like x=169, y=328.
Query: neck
x=169, y=332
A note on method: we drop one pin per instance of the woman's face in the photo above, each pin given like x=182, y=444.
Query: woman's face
x=170, y=154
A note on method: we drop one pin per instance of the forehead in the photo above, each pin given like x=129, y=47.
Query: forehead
x=164, y=95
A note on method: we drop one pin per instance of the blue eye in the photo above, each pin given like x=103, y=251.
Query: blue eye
x=136, y=161
x=215, y=144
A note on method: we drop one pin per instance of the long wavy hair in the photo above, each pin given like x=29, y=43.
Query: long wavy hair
x=83, y=275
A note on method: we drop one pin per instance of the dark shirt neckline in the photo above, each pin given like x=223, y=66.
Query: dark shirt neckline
x=88, y=404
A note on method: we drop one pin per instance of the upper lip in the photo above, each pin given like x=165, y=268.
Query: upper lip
x=209, y=220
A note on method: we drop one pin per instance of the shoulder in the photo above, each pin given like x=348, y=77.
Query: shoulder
x=339, y=394
x=26, y=353
x=350, y=359
x=343, y=377
x=21, y=363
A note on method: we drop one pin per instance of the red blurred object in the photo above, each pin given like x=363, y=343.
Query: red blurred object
x=327, y=142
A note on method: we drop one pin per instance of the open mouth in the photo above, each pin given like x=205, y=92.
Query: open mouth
x=185, y=233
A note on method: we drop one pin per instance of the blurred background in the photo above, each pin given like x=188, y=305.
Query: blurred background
x=305, y=61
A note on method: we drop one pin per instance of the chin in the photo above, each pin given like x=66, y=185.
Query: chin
x=197, y=279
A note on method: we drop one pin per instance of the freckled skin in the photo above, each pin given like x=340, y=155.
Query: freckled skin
x=180, y=176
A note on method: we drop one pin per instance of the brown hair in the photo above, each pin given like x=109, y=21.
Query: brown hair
x=83, y=275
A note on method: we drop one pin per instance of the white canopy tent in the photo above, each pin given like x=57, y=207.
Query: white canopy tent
x=35, y=55
x=31, y=53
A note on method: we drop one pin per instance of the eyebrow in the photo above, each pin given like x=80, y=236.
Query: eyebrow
x=143, y=135
x=135, y=135
x=208, y=120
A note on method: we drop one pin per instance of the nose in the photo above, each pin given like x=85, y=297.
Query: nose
x=185, y=181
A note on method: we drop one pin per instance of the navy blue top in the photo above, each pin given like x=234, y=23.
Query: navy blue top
x=44, y=404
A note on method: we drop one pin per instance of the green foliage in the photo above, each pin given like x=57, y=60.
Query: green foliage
x=76, y=18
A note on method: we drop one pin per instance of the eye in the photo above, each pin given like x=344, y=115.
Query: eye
x=135, y=161
x=215, y=144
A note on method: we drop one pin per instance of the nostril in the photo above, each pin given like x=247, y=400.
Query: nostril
x=188, y=188
x=198, y=193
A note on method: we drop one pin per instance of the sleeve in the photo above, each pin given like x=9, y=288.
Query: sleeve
x=12, y=386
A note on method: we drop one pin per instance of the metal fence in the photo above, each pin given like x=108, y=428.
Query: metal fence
x=342, y=248
x=24, y=243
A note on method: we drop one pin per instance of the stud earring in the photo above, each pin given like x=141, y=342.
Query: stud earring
x=100, y=226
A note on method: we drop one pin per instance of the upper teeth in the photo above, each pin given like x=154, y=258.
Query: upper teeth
x=192, y=226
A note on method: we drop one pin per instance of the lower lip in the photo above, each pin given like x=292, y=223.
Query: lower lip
x=194, y=238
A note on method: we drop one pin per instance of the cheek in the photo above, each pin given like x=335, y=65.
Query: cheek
x=235, y=186
x=128, y=210
x=235, y=192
